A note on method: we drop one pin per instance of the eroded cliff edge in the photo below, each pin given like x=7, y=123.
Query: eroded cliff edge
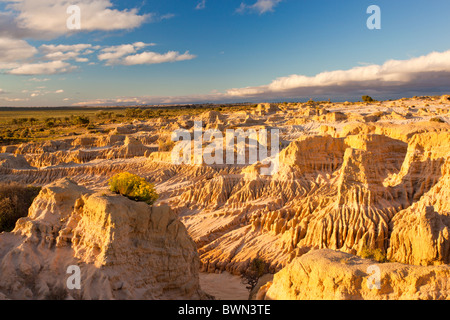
x=124, y=249
x=333, y=275
x=351, y=177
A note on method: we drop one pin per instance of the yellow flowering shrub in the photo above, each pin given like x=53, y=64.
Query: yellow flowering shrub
x=133, y=187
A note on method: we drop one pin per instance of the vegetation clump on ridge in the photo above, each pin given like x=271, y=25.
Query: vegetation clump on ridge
x=256, y=269
x=373, y=253
x=15, y=200
x=133, y=187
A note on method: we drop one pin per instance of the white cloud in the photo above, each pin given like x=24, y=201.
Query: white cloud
x=47, y=18
x=51, y=48
x=154, y=58
x=128, y=55
x=12, y=50
x=39, y=79
x=166, y=16
x=65, y=52
x=429, y=70
x=14, y=99
x=52, y=67
x=260, y=6
x=140, y=45
x=61, y=56
x=201, y=5
x=20, y=58
x=39, y=92
x=113, y=54
x=422, y=74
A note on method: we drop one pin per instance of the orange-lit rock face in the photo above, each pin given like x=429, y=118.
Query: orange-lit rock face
x=350, y=177
x=332, y=275
x=125, y=249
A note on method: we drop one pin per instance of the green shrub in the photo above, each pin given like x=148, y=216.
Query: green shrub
x=80, y=121
x=133, y=112
x=104, y=115
x=15, y=199
x=374, y=254
x=166, y=144
x=367, y=99
x=256, y=269
x=437, y=119
x=133, y=187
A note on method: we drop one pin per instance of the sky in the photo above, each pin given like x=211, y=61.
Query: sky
x=196, y=51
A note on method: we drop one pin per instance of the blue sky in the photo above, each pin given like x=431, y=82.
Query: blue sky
x=184, y=51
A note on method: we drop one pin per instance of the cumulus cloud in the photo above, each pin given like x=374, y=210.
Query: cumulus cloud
x=39, y=92
x=12, y=50
x=20, y=58
x=51, y=48
x=425, y=71
x=155, y=58
x=65, y=52
x=421, y=74
x=260, y=6
x=128, y=55
x=82, y=60
x=112, y=55
x=48, y=18
x=153, y=100
x=52, y=67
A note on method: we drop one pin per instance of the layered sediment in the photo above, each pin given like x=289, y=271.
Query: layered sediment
x=123, y=249
x=350, y=178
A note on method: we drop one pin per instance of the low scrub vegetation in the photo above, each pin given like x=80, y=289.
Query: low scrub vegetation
x=256, y=269
x=40, y=124
x=133, y=187
x=367, y=99
x=372, y=253
x=437, y=119
x=166, y=144
x=15, y=199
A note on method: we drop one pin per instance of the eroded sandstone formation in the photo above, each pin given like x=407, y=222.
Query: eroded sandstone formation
x=332, y=275
x=125, y=249
x=350, y=177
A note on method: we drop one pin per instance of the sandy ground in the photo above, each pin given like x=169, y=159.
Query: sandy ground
x=223, y=286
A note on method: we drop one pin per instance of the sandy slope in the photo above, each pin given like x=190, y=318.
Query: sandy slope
x=351, y=176
x=223, y=286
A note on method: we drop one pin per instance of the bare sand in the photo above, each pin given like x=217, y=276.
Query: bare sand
x=223, y=286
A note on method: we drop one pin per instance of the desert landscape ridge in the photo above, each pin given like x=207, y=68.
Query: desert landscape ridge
x=109, y=238
x=357, y=185
x=224, y=159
